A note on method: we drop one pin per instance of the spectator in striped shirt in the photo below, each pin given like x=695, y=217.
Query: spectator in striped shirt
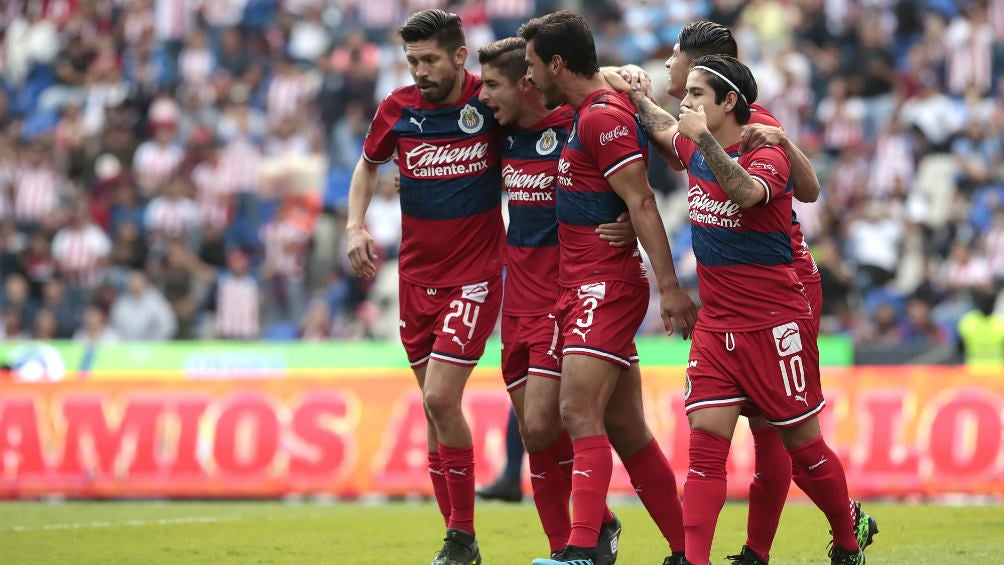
x=236, y=299
x=286, y=239
x=81, y=250
x=36, y=187
x=171, y=215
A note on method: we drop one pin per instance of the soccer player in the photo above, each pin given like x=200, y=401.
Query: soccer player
x=604, y=290
x=447, y=143
x=530, y=361
x=772, y=468
x=754, y=341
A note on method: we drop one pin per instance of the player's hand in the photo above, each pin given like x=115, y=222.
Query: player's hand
x=618, y=234
x=679, y=308
x=616, y=81
x=693, y=123
x=362, y=252
x=754, y=136
x=637, y=77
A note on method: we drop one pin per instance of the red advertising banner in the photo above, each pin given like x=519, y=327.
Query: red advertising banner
x=903, y=431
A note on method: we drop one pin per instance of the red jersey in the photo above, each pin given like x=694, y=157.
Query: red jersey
x=605, y=138
x=745, y=278
x=529, y=167
x=451, y=222
x=805, y=266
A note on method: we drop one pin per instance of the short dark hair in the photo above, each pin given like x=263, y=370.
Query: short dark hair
x=444, y=27
x=508, y=55
x=567, y=35
x=707, y=38
x=741, y=77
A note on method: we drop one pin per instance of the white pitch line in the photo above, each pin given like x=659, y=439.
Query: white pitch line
x=99, y=524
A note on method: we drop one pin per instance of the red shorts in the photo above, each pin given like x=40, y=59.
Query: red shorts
x=449, y=324
x=775, y=369
x=601, y=319
x=814, y=293
x=529, y=347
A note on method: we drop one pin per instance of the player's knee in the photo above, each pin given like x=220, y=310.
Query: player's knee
x=579, y=418
x=541, y=434
x=440, y=403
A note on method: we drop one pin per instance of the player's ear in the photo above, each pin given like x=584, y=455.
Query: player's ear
x=557, y=63
x=460, y=55
x=731, y=98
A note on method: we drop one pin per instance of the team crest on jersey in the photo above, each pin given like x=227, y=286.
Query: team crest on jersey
x=471, y=121
x=547, y=142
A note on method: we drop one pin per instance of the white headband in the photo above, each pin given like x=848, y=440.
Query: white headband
x=727, y=81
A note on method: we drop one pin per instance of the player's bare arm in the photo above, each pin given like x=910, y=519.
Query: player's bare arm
x=631, y=184
x=732, y=177
x=661, y=127
x=361, y=249
x=803, y=174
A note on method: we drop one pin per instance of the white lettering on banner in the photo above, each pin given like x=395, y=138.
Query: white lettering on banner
x=608, y=136
x=516, y=178
x=705, y=209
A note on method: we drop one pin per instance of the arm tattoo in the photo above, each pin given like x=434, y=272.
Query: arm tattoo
x=733, y=179
x=652, y=117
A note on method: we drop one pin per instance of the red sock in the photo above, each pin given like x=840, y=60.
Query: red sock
x=458, y=466
x=818, y=472
x=565, y=456
x=551, y=493
x=590, y=483
x=768, y=491
x=439, y=488
x=704, y=492
x=655, y=483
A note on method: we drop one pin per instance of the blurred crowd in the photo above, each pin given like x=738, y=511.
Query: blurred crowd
x=178, y=169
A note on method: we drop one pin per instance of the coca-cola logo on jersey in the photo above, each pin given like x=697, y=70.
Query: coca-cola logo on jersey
x=705, y=209
x=426, y=160
x=608, y=136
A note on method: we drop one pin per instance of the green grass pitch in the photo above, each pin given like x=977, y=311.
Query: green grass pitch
x=251, y=533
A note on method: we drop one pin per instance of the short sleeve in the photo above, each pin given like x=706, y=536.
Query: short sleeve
x=685, y=149
x=610, y=136
x=770, y=167
x=381, y=141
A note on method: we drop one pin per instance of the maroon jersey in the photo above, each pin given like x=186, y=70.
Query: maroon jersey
x=451, y=222
x=529, y=167
x=745, y=278
x=805, y=266
x=604, y=139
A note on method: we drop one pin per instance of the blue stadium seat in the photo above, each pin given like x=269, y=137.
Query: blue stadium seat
x=281, y=331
